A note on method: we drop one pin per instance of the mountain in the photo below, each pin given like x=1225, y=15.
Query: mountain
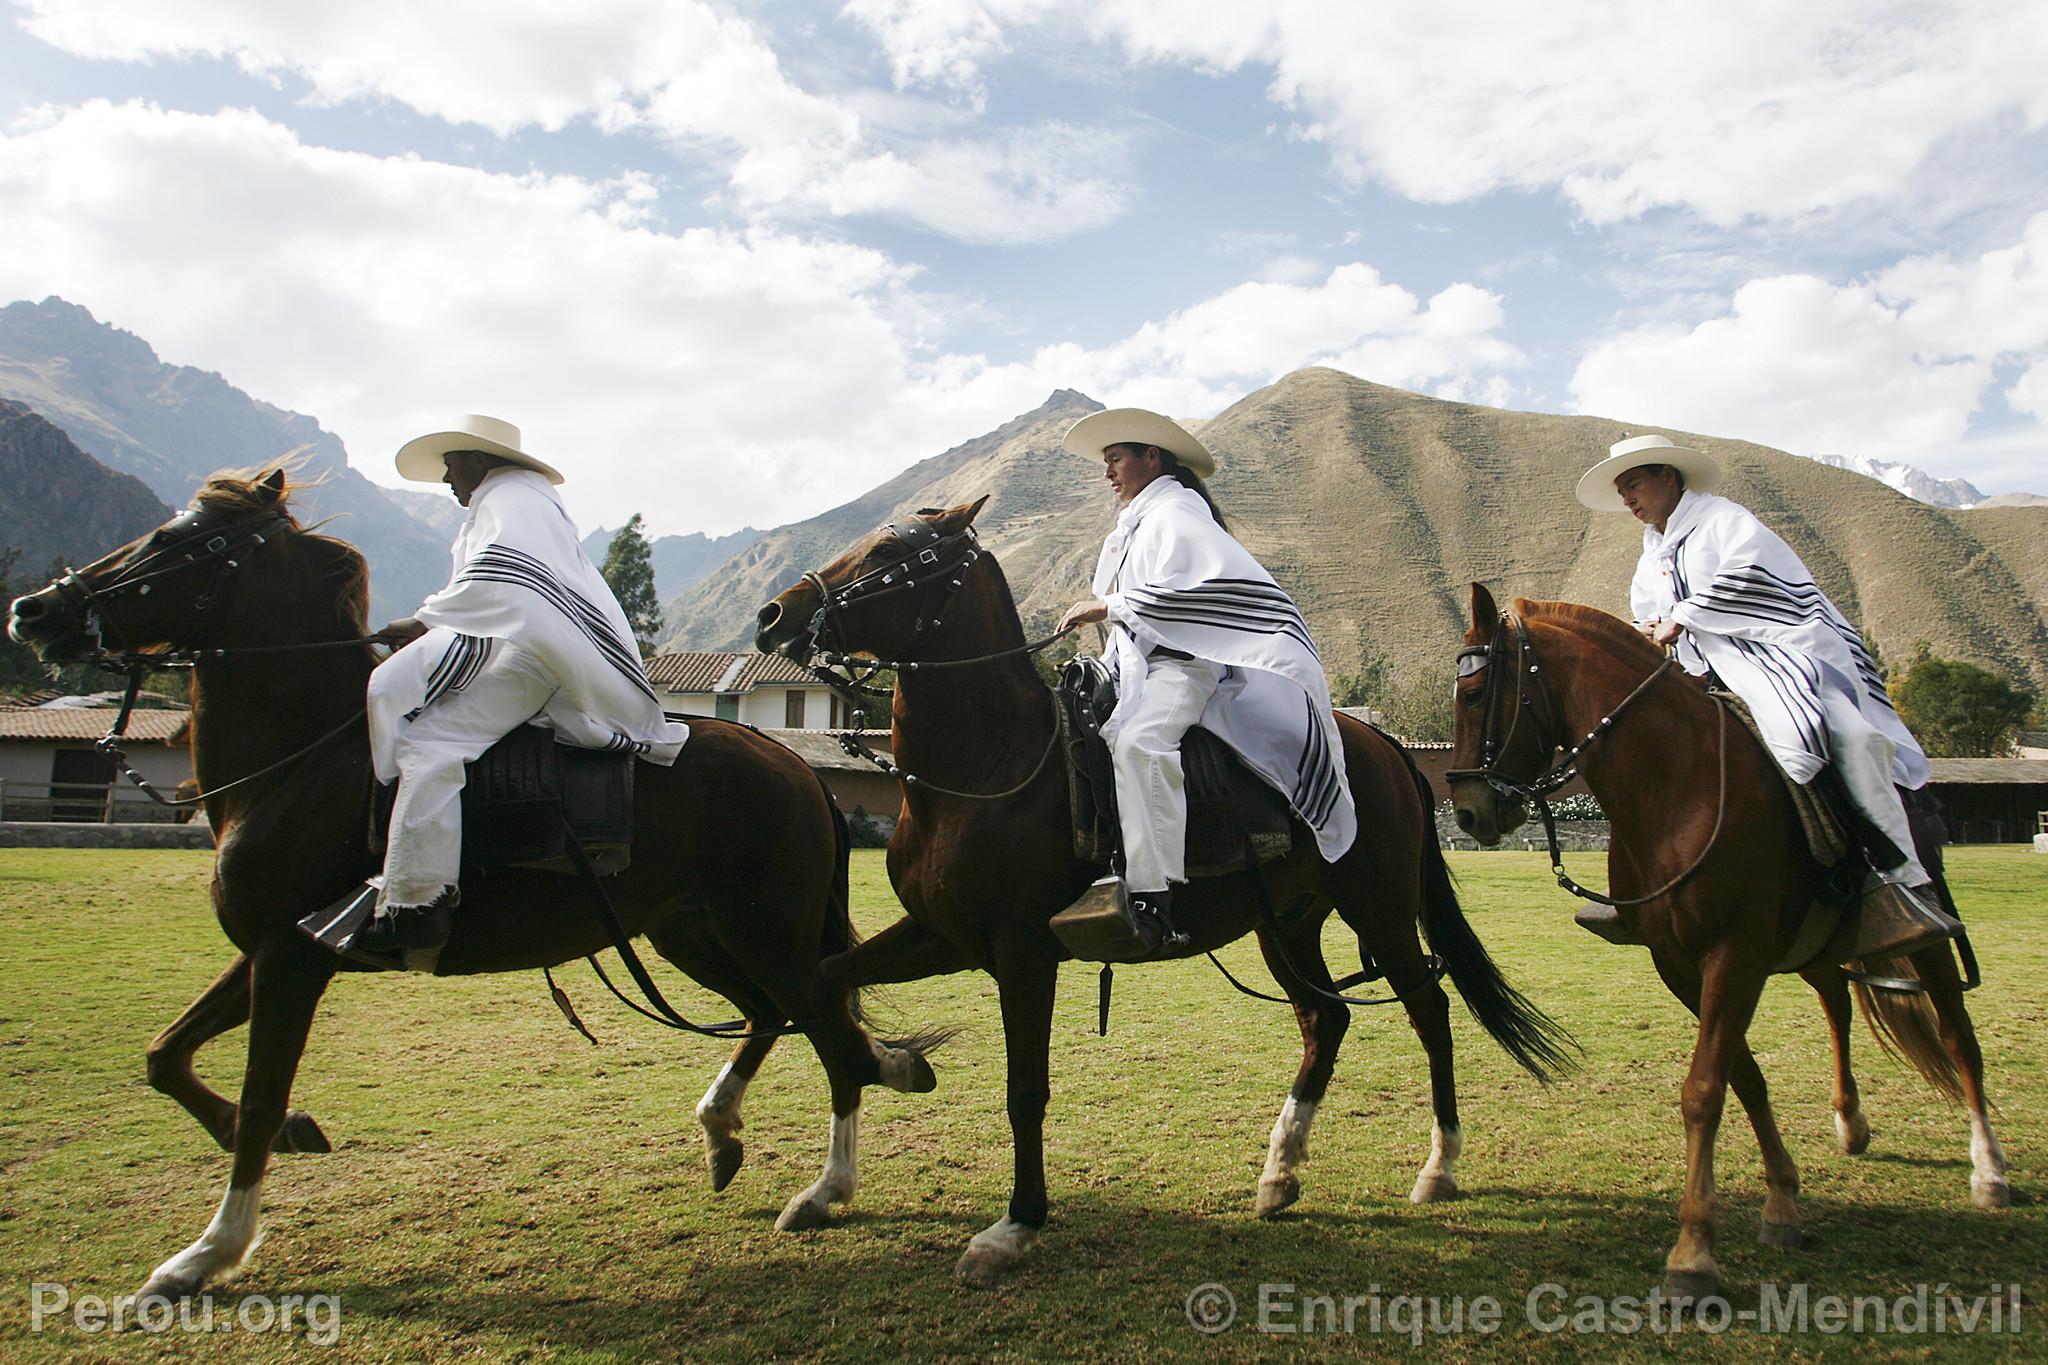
x=170, y=426
x=61, y=503
x=1904, y=478
x=438, y=511
x=2014, y=500
x=1375, y=507
x=1037, y=503
x=679, y=561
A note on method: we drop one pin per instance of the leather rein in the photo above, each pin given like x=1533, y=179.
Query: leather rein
x=927, y=558
x=1534, y=694
x=203, y=542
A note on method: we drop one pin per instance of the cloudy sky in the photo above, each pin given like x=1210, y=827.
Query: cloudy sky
x=736, y=262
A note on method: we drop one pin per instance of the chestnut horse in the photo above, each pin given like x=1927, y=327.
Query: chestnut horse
x=1550, y=674
x=738, y=874
x=982, y=878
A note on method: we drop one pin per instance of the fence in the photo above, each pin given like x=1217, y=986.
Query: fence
x=115, y=802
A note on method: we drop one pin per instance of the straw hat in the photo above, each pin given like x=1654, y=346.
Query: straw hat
x=1135, y=426
x=421, y=459
x=1596, y=486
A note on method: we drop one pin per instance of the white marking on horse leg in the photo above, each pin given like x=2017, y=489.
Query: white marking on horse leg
x=997, y=1248
x=219, y=1252
x=1280, y=1184
x=836, y=1186
x=1988, y=1186
x=719, y=1112
x=1852, y=1130
x=1436, y=1180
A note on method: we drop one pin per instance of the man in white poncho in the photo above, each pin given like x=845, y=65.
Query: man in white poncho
x=526, y=630
x=1199, y=634
x=1733, y=598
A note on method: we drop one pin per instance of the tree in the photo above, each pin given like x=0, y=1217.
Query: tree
x=19, y=670
x=629, y=568
x=1958, y=710
x=1369, y=686
x=1421, y=708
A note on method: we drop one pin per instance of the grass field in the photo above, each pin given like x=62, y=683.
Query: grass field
x=501, y=1190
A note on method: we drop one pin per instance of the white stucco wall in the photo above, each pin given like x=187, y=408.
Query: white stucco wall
x=767, y=707
x=25, y=768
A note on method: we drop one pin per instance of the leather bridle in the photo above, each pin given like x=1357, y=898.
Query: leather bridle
x=1536, y=790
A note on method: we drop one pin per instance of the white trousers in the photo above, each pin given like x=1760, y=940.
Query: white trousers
x=1151, y=789
x=424, y=855
x=1863, y=756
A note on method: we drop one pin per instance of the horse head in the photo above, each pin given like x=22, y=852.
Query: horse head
x=1498, y=741
x=166, y=589
x=881, y=595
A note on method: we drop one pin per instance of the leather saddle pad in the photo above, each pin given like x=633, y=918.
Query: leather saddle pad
x=1234, y=819
x=512, y=803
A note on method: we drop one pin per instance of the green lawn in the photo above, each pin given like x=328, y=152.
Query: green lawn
x=501, y=1190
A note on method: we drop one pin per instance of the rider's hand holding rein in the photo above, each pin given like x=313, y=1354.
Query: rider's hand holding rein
x=402, y=632
x=1085, y=612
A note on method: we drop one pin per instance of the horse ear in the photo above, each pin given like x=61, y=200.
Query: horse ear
x=959, y=518
x=1484, y=613
x=273, y=484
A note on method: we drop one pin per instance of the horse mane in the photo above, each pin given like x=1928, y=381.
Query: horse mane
x=340, y=567
x=1575, y=618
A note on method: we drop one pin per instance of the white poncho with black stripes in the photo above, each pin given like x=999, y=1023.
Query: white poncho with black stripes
x=521, y=575
x=1171, y=576
x=1753, y=614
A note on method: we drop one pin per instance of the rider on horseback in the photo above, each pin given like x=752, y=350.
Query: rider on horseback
x=1737, y=604
x=1199, y=633
x=525, y=631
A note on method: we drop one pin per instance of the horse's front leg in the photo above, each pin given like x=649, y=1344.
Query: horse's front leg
x=222, y=1006
x=286, y=978
x=1025, y=978
x=1724, y=998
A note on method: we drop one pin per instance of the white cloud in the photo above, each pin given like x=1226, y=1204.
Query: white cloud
x=1748, y=108
x=1893, y=367
x=694, y=74
x=708, y=378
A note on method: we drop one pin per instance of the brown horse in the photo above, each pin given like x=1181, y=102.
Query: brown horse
x=1551, y=674
x=738, y=874
x=982, y=878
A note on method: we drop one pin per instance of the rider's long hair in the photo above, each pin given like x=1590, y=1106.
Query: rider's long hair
x=1187, y=478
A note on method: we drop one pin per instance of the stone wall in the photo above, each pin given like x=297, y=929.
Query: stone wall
x=40, y=834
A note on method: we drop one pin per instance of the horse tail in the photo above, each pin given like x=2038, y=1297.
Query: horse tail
x=1539, y=1044
x=1907, y=1027
x=840, y=935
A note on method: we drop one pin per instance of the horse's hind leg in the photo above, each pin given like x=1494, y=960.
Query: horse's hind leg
x=222, y=1006
x=706, y=962
x=1297, y=964
x=1389, y=940
x=1989, y=1187
x=287, y=976
x=1852, y=1130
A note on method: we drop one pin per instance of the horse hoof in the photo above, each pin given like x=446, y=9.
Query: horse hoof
x=1990, y=1194
x=165, y=1283
x=725, y=1163
x=300, y=1134
x=802, y=1214
x=1430, y=1189
x=1852, y=1134
x=995, y=1252
x=1691, y=1285
x=1787, y=1235
x=1277, y=1194
x=908, y=1072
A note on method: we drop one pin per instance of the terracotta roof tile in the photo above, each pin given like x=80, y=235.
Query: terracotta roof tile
x=2001, y=771
x=771, y=670
x=698, y=672
x=50, y=722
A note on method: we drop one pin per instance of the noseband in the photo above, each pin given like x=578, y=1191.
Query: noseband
x=201, y=541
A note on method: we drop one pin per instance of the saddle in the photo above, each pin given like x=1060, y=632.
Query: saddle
x=514, y=799
x=1235, y=820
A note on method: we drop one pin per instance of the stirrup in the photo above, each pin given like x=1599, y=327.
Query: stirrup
x=1607, y=923
x=1893, y=921
x=1104, y=925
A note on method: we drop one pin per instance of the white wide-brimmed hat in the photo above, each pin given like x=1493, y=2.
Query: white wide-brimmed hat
x=1596, y=486
x=420, y=459
x=1098, y=431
